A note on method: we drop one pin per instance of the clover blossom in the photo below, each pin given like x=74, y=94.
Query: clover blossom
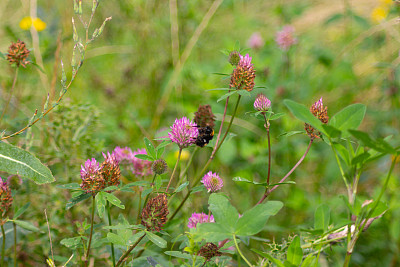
x=321, y=113
x=212, y=182
x=183, y=132
x=285, y=38
x=110, y=170
x=244, y=74
x=199, y=218
x=92, y=180
x=6, y=199
x=262, y=103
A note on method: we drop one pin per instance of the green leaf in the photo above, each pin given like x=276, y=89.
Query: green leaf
x=244, y=93
x=158, y=183
x=21, y=210
x=225, y=96
x=287, y=134
x=378, y=145
x=321, y=217
x=116, y=239
x=380, y=208
x=254, y=220
x=72, y=242
x=137, y=183
x=113, y=200
x=144, y=157
x=2, y=55
x=158, y=241
x=360, y=159
x=223, y=212
x=178, y=254
x=276, y=116
x=132, y=240
x=331, y=131
x=18, y=161
x=211, y=232
x=163, y=144
x=71, y=186
x=295, y=253
x=151, y=151
x=146, y=192
x=110, y=188
x=269, y=257
x=348, y=118
x=181, y=187
x=197, y=189
x=304, y=114
x=101, y=203
x=26, y=225
x=308, y=260
x=75, y=200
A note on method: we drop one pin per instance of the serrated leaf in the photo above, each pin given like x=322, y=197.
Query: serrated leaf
x=181, y=187
x=21, y=210
x=295, y=253
x=151, y=151
x=26, y=225
x=75, y=200
x=158, y=241
x=14, y=160
x=69, y=186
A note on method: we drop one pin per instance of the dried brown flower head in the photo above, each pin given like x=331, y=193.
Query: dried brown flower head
x=92, y=180
x=204, y=116
x=209, y=250
x=321, y=113
x=110, y=170
x=243, y=75
x=154, y=215
x=17, y=54
x=5, y=196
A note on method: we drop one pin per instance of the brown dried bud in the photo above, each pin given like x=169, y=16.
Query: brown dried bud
x=204, y=116
x=321, y=113
x=154, y=215
x=243, y=75
x=209, y=250
x=5, y=197
x=110, y=170
x=17, y=54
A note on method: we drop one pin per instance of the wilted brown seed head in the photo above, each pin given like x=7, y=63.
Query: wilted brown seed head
x=5, y=197
x=110, y=170
x=243, y=75
x=204, y=116
x=154, y=215
x=209, y=250
x=321, y=113
x=17, y=54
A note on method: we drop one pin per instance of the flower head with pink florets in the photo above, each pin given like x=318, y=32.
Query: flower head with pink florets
x=212, y=182
x=141, y=167
x=262, y=103
x=92, y=180
x=285, y=38
x=183, y=132
x=244, y=74
x=199, y=218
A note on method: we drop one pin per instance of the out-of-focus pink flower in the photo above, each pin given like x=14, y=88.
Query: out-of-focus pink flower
x=141, y=167
x=285, y=38
x=255, y=41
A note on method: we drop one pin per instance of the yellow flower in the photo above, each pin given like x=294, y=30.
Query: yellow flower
x=184, y=155
x=39, y=24
x=27, y=22
x=378, y=14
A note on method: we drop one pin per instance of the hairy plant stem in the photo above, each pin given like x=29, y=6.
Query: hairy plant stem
x=269, y=191
x=240, y=252
x=123, y=257
x=91, y=232
x=110, y=224
x=266, y=125
x=361, y=225
x=10, y=94
x=216, y=148
x=15, y=244
x=173, y=172
x=3, y=246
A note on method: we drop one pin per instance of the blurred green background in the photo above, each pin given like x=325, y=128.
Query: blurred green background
x=347, y=52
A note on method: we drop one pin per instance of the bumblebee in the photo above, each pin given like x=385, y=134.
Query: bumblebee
x=206, y=134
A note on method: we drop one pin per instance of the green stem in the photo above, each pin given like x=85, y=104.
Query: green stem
x=3, y=247
x=173, y=172
x=240, y=252
x=340, y=168
x=269, y=147
x=129, y=251
x=347, y=259
x=91, y=232
x=10, y=94
x=216, y=148
x=15, y=244
x=110, y=224
x=189, y=162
